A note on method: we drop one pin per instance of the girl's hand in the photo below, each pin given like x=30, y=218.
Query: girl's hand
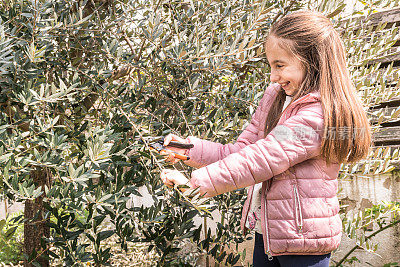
x=171, y=157
x=173, y=177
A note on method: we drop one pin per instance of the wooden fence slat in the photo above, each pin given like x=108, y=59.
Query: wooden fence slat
x=386, y=59
x=392, y=79
x=394, y=102
x=387, y=136
x=386, y=112
x=388, y=16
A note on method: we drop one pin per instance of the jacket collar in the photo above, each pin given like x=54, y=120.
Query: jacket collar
x=310, y=97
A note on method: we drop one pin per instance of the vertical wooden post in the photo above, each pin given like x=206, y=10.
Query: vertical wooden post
x=35, y=227
x=206, y=236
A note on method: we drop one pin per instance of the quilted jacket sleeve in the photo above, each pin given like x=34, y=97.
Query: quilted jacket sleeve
x=291, y=142
x=206, y=152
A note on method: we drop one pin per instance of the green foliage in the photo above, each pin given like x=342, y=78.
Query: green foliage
x=11, y=232
x=83, y=82
x=366, y=224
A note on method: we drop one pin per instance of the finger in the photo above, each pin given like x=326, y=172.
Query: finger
x=175, y=160
x=165, y=180
x=178, y=138
x=167, y=139
x=165, y=152
x=169, y=158
x=169, y=155
x=173, y=137
x=163, y=174
x=168, y=182
x=162, y=177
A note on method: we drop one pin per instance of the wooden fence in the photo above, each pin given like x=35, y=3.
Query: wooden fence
x=389, y=134
x=363, y=191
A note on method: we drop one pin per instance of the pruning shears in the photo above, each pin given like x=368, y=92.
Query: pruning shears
x=157, y=143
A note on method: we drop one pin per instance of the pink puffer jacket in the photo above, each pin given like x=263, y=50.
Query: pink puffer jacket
x=299, y=206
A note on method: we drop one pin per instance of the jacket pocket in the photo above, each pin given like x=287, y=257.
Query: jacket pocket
x=298, y=216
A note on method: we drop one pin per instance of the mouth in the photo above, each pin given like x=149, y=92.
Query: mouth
x=284, y=85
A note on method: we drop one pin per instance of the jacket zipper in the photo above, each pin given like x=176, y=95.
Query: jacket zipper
x=297, y=210
x=267, y=248
x=298, y=215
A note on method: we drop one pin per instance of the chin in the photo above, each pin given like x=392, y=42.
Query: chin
x=289, y=93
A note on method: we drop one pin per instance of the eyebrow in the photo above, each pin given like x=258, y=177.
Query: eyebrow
x=277, y=61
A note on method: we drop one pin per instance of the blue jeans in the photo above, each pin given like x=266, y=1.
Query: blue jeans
x=260, y=259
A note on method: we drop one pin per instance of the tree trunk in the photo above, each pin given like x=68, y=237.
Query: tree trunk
x=35, y=227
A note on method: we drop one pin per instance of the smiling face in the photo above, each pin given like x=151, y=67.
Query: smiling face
x=286, y=68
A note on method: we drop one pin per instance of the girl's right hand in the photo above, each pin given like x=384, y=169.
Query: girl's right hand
x=172, y=137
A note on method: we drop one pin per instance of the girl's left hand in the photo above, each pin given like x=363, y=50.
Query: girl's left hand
x=173, y=177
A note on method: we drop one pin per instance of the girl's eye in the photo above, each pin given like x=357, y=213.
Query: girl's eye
x=279, y=66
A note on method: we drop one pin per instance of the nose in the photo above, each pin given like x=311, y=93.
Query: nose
x=274, y=76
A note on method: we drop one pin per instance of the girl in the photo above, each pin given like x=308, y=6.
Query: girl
x=308, y=122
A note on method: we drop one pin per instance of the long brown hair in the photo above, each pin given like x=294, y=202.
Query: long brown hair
x=311, y=37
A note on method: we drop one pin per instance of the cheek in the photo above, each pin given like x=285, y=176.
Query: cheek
x=301, y=78
x=300, y=75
